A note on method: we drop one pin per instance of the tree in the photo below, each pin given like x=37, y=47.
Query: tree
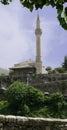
x=60, y=70
x=56, y=105
x=23, y=98
x=65, y=63
x=60, y=5
x=49, y=69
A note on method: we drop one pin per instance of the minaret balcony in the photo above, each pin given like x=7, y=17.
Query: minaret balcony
x=38, y=31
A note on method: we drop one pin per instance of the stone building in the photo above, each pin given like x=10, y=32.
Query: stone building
x=31, y=66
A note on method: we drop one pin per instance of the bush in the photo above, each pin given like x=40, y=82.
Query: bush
x=34, y=98
x=2, y=94
x=27, y=101
x=15, y=94
x=56, y=105
x=19, y=94
x=3, y=107
x=24, y=110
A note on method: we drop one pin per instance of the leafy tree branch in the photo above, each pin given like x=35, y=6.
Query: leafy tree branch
x=60, y=5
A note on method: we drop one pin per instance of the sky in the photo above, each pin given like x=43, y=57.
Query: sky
x=18, y=40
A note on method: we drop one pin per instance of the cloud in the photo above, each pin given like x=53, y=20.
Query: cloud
x=13, y=41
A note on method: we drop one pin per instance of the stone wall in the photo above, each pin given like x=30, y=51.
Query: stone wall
x=45, y=82
x=28, y=123
x=50, y=83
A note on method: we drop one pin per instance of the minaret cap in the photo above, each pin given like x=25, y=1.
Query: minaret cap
x=38, y=22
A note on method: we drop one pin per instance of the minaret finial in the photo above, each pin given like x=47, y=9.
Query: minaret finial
x=38, y=21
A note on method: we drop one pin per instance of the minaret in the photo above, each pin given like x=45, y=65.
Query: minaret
x=38, y=33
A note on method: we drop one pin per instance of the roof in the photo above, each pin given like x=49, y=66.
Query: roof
x=26, y=64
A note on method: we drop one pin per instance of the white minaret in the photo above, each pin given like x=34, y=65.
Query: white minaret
x=38, y=33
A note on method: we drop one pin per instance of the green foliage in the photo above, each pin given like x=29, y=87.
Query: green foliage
x=2, y=91
x=60, y=70
x=27, y=101
x=58, y=4
x=48, y=69
x=2, y=94
x=34, y=98
x=56, y=70
x=2, y=104
x=5, y=1
x=19, y=94
x=15, y=93
x=56, y=105
x=65, y=63
x=5, y=79
x=4, y=107
x=24, y=110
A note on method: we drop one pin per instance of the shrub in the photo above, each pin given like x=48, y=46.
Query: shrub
x=3, y=107
x=19, y=94
x=2, y=94
x=57, y=105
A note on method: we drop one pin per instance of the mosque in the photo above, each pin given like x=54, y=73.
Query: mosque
x=30, y=66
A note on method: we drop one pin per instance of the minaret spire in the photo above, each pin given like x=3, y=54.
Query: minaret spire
x=38, y=22
x=38, y=33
